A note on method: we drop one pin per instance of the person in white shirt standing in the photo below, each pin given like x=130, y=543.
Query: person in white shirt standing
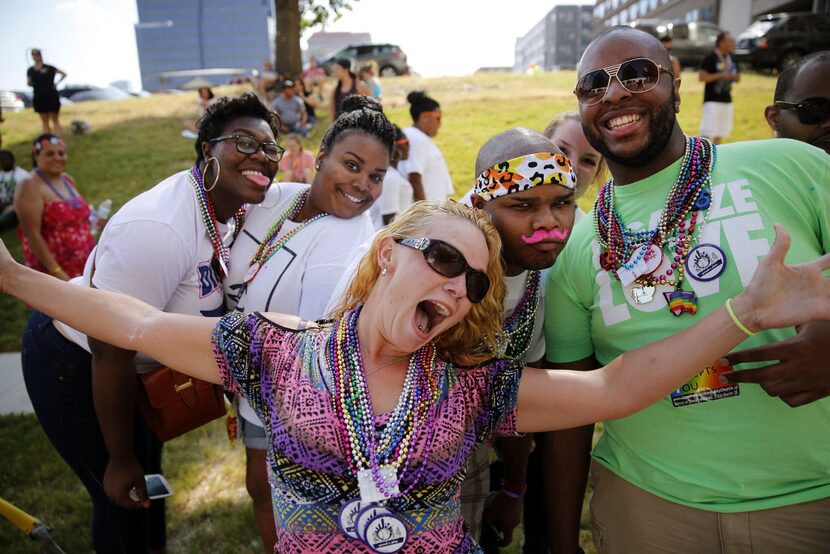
x=426, y=168
x=397, y=192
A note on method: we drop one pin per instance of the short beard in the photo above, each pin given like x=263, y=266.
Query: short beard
x=662, y=126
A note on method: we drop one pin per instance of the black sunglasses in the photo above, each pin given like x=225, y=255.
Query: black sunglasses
x=810, y=112
x=638, y=75
x=250, y=146
x=446, y=260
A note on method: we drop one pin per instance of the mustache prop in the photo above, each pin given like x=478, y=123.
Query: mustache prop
x=542, y=235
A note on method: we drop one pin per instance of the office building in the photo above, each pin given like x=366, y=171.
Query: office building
x=185, y=36
x=557, y=41
x=730, y=15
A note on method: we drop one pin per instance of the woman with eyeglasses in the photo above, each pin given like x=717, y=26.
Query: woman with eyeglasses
x=371, y=416
x=295, y=246
x=167, y=247
x=426, y=168
x=54, y=218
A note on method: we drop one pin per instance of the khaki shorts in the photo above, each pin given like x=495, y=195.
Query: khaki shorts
x=628, y=520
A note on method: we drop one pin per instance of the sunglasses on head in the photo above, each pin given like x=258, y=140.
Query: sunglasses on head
x=810, y=112
x=250, y=146
x=446, y=260
x=637, y=76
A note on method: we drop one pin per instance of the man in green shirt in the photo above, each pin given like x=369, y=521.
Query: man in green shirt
x=719, y=464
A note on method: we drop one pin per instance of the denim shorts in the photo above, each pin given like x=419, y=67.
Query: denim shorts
x=253, y=436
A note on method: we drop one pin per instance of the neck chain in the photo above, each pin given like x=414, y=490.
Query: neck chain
x=220, y=250
x=270, y=245
x=413, y=419
x=74, y=199
x=630, y=255
x=517, y=328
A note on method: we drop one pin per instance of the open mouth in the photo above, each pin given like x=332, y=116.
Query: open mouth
x=622, y=121
x=257, y=177
x=429, y=314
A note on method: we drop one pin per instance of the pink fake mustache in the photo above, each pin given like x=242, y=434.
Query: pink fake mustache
x=542, y=235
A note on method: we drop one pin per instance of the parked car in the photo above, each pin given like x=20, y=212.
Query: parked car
x=11, y=102
x=390, y=58
x=777, y=40
x=26, y=96
x=108, y=93
x=691, y=41
x=68, y=91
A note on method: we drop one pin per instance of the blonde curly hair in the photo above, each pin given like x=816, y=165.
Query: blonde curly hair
x=475, y=338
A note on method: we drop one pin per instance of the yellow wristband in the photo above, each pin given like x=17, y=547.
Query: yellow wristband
x=735, y=319
x=56, y=270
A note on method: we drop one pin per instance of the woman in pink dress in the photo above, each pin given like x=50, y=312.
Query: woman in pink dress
x=297, y=164
x=54, y=218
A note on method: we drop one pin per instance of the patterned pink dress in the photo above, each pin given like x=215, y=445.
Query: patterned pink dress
x=284, y=375
x=67, y=234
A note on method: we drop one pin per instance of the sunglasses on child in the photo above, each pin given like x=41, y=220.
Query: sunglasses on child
x=446, y=260
x=810, y=112
x=637, y=76
x=250, y=146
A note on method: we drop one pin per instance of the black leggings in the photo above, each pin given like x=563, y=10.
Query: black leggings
x=58, y=377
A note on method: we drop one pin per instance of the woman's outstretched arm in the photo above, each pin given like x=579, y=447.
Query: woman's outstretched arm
x=778, y=296
x=179, y=341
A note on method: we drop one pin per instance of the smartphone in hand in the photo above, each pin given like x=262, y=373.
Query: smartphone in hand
x=157, y=486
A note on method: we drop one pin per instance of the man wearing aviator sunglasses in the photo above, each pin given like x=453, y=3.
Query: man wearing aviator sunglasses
x=680, y=475
x=801, y=109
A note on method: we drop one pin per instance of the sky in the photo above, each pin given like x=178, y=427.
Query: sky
x=93, y=41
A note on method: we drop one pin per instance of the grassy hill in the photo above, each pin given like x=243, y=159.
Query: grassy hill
x=136, y=143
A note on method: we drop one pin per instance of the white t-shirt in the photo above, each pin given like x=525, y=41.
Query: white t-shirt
x=156, y=249
x=515, y=289
x=426, y=159
x=395, y=198
x=299, y=278
x=8, y=183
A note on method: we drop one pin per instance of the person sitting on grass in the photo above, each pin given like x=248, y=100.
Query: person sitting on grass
x=297, y=164
x=291, y=109
x=371, y=416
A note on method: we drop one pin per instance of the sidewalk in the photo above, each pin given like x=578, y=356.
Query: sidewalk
x=13, y=397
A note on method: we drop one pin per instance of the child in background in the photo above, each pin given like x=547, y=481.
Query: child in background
x=297, y=164
x=397, y=192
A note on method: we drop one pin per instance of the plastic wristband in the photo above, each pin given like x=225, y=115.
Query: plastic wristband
x=56, y=270
x=735, y=319
x=512, y=490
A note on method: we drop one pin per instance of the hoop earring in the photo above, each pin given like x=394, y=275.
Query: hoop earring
x=218, y=171
x=277, y=201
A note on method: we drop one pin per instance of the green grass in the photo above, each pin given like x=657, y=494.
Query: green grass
x=136, y=143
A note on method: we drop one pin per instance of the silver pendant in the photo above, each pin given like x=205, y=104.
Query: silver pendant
x=642, y=294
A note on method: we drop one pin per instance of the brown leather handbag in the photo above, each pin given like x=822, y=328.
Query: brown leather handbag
x=173, y=403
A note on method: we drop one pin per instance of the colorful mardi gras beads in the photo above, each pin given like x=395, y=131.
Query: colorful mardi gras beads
x=409, y=421
x=208, y=213
x=625, y=248
x=74, y=199
x=518, y=326
x=270, y=245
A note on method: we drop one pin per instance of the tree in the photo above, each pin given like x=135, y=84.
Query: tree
x=293, y=16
